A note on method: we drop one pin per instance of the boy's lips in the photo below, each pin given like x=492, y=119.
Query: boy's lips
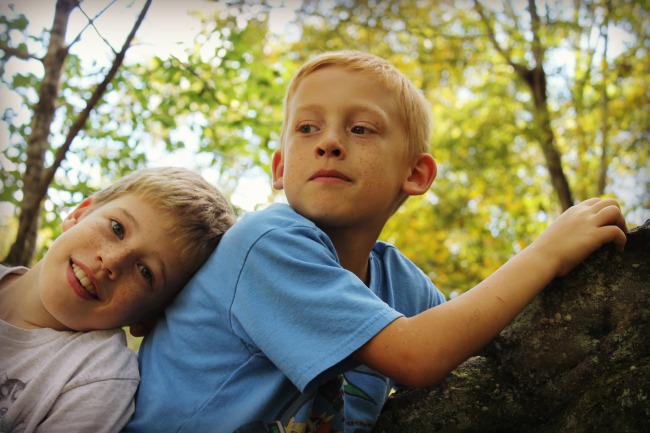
x=329, y=175
x=85, y=280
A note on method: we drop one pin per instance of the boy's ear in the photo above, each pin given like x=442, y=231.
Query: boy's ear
x=423, y=172
x=278, y=170
x=78, y=213
x=141, y=329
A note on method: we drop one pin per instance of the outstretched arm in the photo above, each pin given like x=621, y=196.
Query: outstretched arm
x=421, y=350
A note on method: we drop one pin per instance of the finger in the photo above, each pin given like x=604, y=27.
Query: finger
x=611, y=215
x=615, y=235
x=590, y=202
x=613, y=224
x=601, y=204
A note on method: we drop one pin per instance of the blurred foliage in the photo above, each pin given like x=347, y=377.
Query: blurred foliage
x=493, y=195
x=222, y=105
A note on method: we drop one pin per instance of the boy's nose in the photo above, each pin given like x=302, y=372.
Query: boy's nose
x=112, y=262
x=105, y=267
x=330, y=145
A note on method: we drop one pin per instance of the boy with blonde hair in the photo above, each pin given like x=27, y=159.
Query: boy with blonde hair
x=316, y=321
x=124, y=253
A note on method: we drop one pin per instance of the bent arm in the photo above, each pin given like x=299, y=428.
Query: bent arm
x=421, y=350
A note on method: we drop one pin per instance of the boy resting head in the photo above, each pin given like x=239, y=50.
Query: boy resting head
x=124, y=254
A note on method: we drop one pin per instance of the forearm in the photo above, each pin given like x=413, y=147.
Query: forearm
x=423, y=349
x=468, y=322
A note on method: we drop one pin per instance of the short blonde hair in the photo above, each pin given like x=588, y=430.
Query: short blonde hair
x=415, y=110
x=201, y=213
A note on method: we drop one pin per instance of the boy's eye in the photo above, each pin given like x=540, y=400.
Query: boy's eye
x=118, y=229
x=306, y=129
x=360, y=130
x=145, y=272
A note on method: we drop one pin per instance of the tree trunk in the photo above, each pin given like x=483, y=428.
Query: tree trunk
x=37, y=177
x=604, y=157
x=535, y=79
x=576, y=360
x=551, y=153
x=38, y=141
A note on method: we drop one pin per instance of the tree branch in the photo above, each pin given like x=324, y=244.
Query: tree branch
x=22, y=249
x=604, y=157
x=24, y=55
x=538, y=49
x=91, y=22
x=521, y=70
x=90, y=105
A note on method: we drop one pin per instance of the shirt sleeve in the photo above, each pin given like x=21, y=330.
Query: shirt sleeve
x=295, y=304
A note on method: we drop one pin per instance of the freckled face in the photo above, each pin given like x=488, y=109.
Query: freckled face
x=344, y=162
x=114, y=265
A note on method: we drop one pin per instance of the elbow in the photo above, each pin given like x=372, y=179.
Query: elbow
x=401, y=353
x=421, y=372
x=421, y=381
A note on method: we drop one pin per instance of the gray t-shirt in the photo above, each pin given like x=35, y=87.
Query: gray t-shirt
x=64, y=381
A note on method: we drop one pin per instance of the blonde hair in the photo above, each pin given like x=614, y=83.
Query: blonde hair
x=201, y=213
x=414, y=109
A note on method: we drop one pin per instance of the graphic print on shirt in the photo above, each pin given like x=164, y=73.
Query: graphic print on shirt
x=10, y=390
x=350, y=389
x=351, y=402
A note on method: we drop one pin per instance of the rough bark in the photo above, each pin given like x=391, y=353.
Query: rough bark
x=575, y=360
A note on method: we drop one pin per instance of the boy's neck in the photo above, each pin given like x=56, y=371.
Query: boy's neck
x=11, y=296
x=18, y=297
x=353, y=251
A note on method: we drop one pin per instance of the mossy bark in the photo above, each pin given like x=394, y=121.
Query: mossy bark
x=577, y=359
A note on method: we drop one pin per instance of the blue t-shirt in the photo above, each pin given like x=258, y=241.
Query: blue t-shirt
x=264, y=332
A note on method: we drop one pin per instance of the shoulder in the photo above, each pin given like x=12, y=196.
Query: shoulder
x=277, y=224
x=389, y=255
x=105, y=350
x=393, y=263
x=392, y=271
x=71, y=358
x=274, y=216
x=109, y=342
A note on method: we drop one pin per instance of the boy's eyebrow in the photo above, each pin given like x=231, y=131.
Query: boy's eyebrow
x=130, y=217
x=306, y=107
x=372, y=108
